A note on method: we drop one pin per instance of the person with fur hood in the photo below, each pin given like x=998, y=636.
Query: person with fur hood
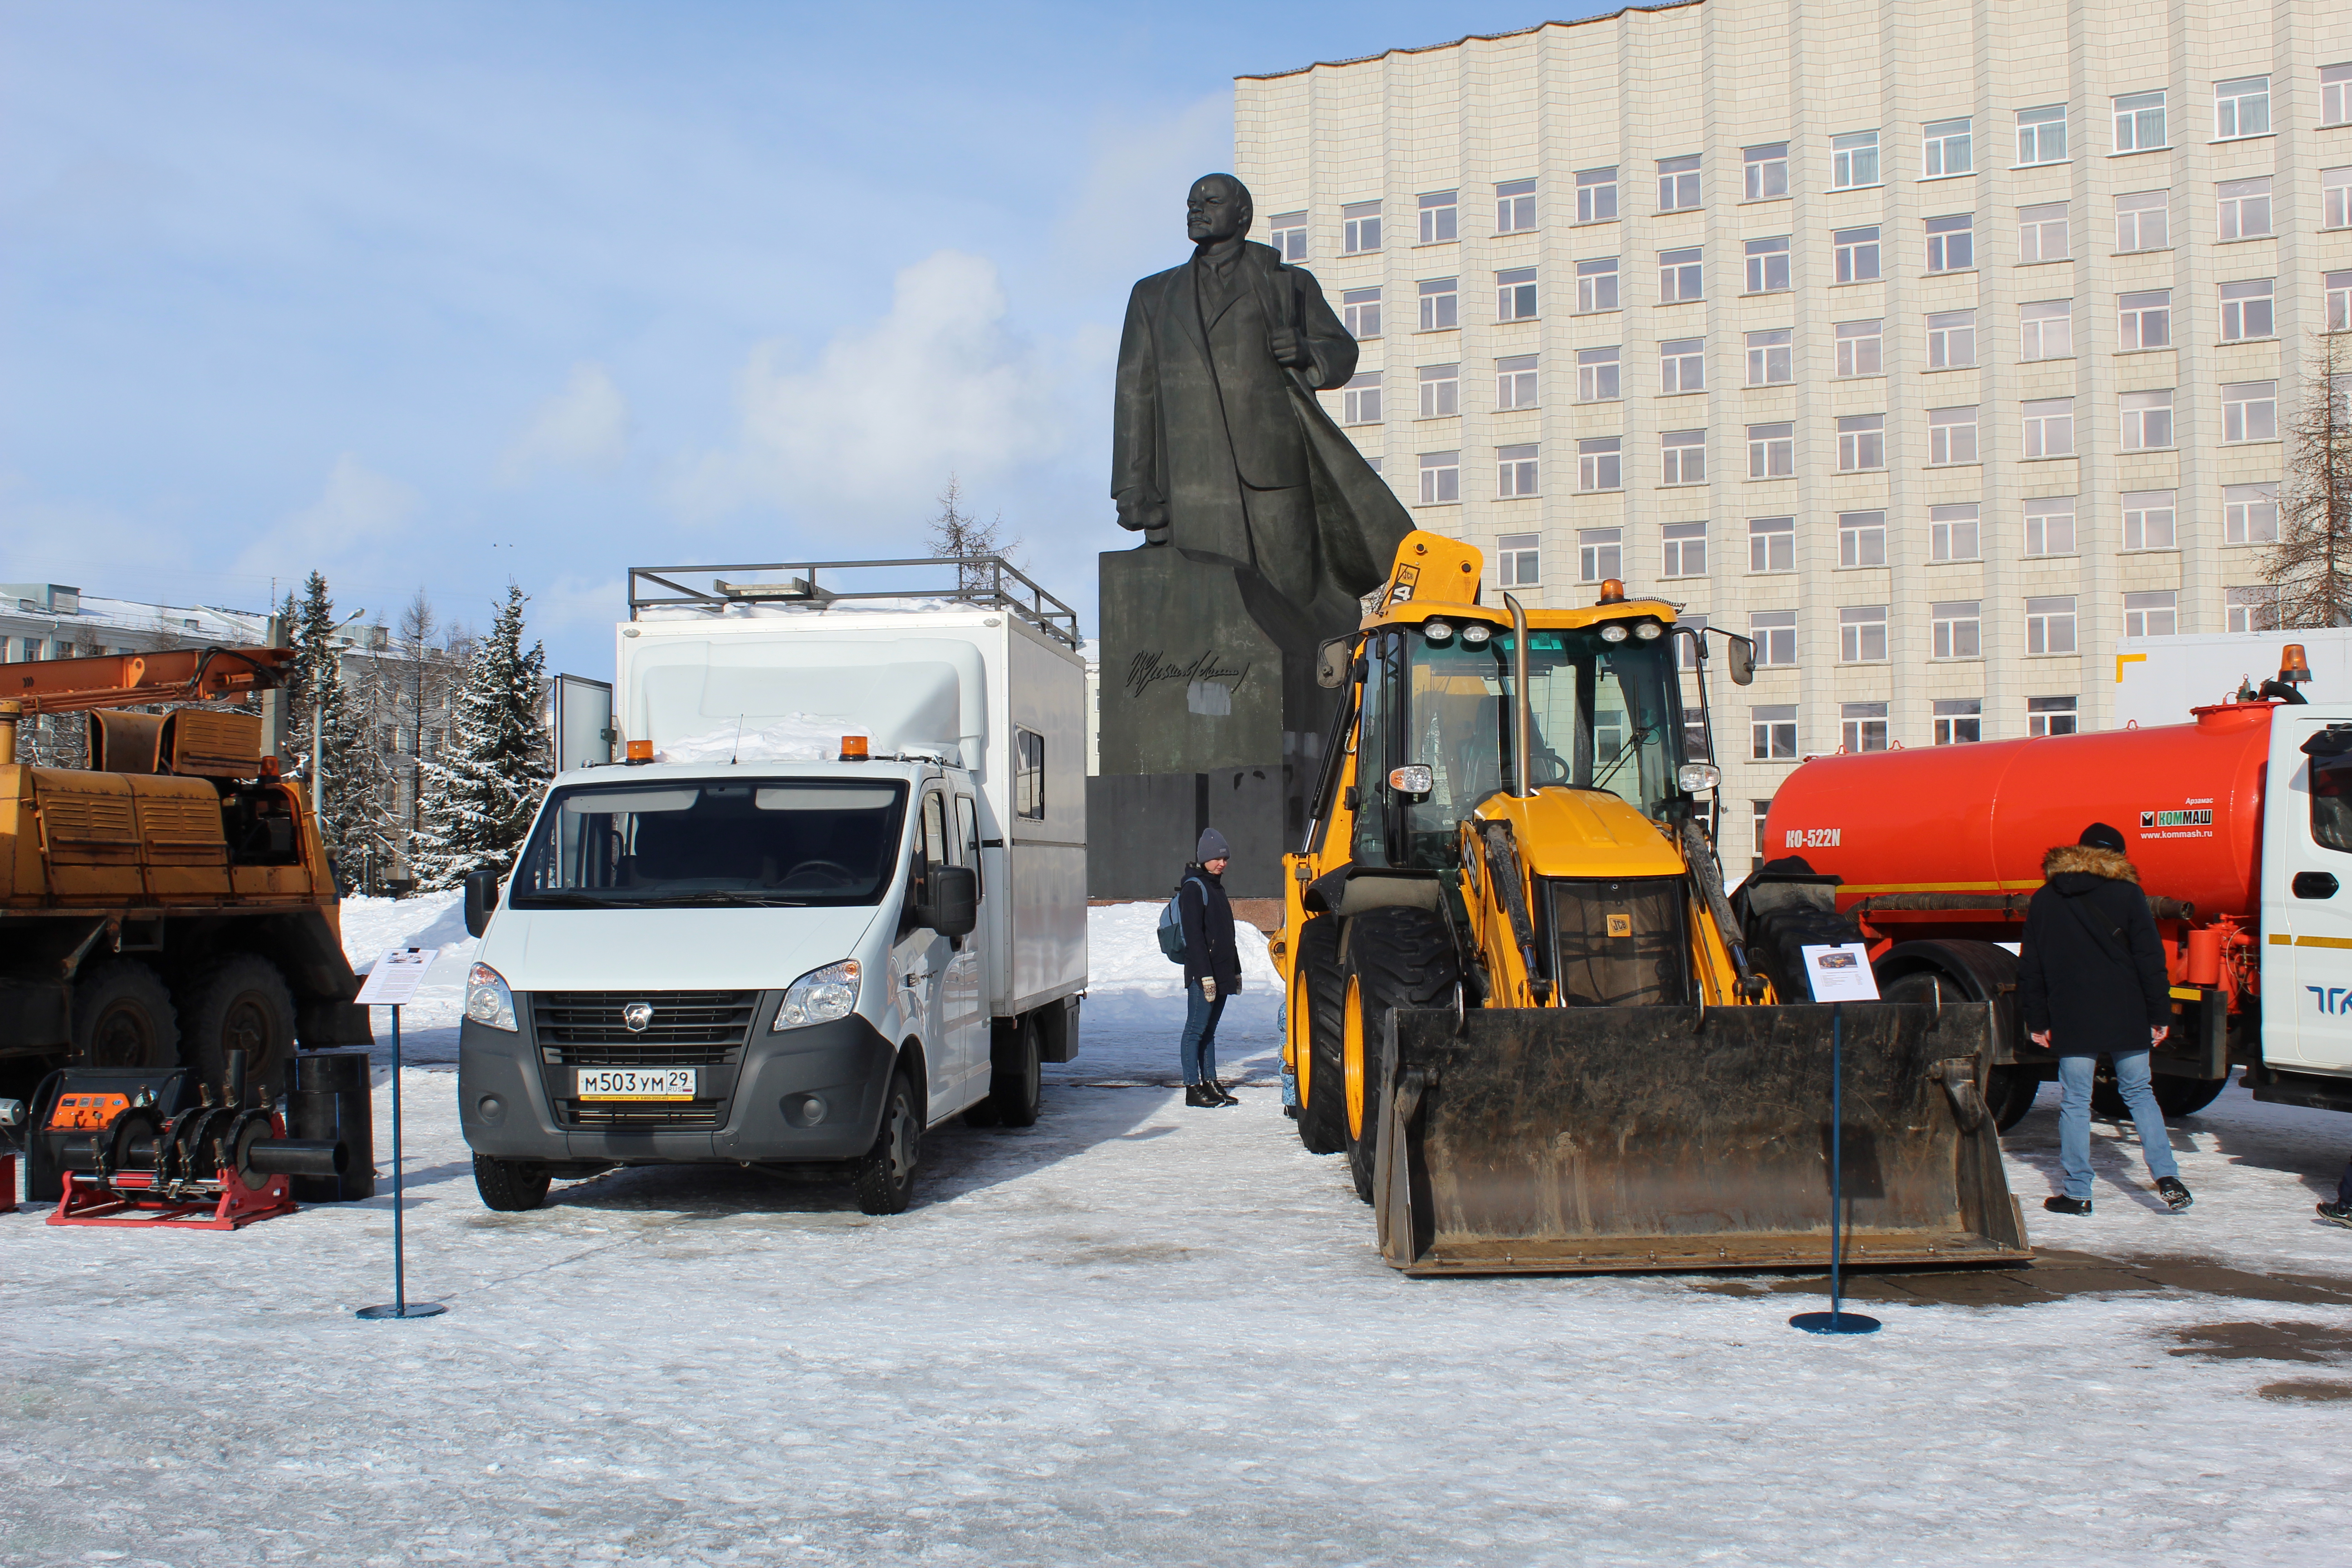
x=2091, y=976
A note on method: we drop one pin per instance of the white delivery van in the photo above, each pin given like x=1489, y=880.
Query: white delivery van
x=834, y=895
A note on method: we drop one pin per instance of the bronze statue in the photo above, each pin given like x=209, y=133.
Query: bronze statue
x=1219, y=445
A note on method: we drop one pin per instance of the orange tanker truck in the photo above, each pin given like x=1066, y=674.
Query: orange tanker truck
x=2240, y=823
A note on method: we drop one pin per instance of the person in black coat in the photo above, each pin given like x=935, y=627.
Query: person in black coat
x=1213, y=967
x=2091, y=976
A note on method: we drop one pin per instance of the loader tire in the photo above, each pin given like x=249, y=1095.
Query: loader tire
x=1318, y=990
x=122, y=1018
x=1397, y=957
x=239, y=1003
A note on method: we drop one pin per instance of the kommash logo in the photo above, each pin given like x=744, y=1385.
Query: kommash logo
x=2201, y=817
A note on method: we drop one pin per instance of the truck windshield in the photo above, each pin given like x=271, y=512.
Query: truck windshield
x=752, y=841
x=1606, y=717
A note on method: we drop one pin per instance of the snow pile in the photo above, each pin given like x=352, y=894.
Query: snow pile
x=795, y=738
x=1133, y=1016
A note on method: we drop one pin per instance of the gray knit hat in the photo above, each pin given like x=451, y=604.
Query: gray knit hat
x=1213, y=846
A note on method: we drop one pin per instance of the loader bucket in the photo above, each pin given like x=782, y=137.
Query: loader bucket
x=1620, y=1140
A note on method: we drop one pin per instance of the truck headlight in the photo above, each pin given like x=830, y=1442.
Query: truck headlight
x=819, y=996
x=487, y=1000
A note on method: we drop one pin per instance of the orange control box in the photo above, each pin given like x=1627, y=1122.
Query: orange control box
x=84, y=1112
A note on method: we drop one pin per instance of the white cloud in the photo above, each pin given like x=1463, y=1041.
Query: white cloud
x=359, y=516
x=585, y=426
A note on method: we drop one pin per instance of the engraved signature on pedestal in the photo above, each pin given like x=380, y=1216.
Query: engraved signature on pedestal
x=1147, y=669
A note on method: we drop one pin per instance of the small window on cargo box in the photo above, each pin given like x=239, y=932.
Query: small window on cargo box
x=1029, y=774
x=2331, y=797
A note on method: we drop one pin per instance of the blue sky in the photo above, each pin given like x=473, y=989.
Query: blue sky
x=438, y=295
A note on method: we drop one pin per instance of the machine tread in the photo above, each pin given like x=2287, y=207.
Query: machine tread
x=1323, y=1102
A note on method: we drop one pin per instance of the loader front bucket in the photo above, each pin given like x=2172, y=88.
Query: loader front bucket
x=1615, y=1140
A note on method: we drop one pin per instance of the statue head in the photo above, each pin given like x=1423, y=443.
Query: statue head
x=1217, y=209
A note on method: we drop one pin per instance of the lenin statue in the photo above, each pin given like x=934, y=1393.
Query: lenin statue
x=1219, y=447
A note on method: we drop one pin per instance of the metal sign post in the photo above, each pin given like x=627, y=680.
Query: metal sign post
x=1837, y=973
x=393, y=981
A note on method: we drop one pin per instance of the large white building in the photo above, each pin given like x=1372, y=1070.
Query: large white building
x=1935, y=347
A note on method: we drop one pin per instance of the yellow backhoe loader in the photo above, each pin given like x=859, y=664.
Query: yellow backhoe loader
x=1519, y=1001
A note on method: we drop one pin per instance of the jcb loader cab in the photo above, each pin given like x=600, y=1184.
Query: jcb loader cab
x=1518, y=998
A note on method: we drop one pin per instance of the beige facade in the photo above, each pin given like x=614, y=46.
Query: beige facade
x=2061, y=221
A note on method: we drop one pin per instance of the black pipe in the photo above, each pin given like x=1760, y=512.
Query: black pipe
x=327, y=1099
x=299, y=1157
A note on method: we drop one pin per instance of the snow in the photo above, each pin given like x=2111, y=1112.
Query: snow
x=1134, y=1333
x=795, y=738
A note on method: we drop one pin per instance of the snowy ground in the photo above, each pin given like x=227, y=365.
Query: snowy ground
x=1132, y=1334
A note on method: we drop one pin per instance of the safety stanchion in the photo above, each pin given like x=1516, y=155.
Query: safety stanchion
x=393, y=981
x=1834, y=1320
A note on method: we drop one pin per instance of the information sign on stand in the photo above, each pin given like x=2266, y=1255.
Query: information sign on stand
x=1838, y=974
x=390, y=982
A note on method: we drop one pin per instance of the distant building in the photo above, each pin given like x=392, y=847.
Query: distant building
x=50, y=620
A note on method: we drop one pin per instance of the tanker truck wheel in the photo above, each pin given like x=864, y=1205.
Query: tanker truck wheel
x=239, y=1002
x=122, y=1017
x=1397, y=957
x=2174, y=1096
x=1318, y=990
x=510, y=1186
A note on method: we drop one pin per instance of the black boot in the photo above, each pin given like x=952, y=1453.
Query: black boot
x=2170, y=1189
x=2064, y=1204
x=1214, y=1087
x=1200, y=1096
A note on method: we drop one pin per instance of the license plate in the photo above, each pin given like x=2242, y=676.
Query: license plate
x=636, y=1083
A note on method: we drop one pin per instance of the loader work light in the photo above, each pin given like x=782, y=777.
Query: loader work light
x=1649, y=631
x=1477, y=635
x=1693, y=777
x=1614, y=633
x=1437, y=631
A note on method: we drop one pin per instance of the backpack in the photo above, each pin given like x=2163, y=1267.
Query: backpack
x=1171, y=922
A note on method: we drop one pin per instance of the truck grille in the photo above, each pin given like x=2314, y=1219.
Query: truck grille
x=592, y=1116
x=584, y=1028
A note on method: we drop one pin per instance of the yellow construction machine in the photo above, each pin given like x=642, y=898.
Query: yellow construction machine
x=1519, y=1000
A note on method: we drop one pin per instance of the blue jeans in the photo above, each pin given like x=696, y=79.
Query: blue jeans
x=2075, y=1075
x=1199, y=1048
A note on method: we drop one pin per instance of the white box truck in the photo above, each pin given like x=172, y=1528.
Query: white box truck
x=2159, y=680
x=834, y=894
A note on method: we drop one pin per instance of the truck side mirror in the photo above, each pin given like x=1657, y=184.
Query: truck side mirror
x=953, y=907
x=481, y=899
x=1740, y=652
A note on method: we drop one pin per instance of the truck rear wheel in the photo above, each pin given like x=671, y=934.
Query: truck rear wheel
x=239, y=1003
x=1317, y=992
x=510, y=1186
x=122, y=1017
x=885, y=1174
x=1397, y=957
x=1016, y=1077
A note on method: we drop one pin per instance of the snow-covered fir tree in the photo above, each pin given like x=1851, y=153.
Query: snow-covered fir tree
x=479, y=794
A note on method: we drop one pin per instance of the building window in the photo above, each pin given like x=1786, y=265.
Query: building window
x=2148, y=520
x=1951, y=339
x=2152, y=615
x=1946, y=151
x=1853, y=160
x=1600, y=465
x=1438, y=314
x=1516, y=559
x=1441, y=391
x=1601, y=553
x=1360, y=228
x=2143, y=321
x=2242, y=108
x=1360, y=312
x=1515, y=206
x=2045, y=330
x=1860, y=348
x=2336, y=94
x=1952, y=243
x=2139, y=123
x=1515, y=295
x=1360, y=400
x=1957, y=629
x=2140, y=221
x=2250, y=411
x=2245, y=209
x=1862, y=539
x=1515, y=380
x=2050, y=716
x=2050, y=526
x=1768, y=171
x=1437, y=212
x=1861, y=633
x=2050, y=427
x=2250, y=514
x=1685, y=457
x=2042, y=234
x=1772, y=545
x=1768, y=266
x=1865, y=726
x=1960, y=720
x=1678, y=276
x=1857, y=254
x=1515, y=472
x=2246, y=310
x=2249, y=609
x=2042, y=134
x=2050, y=625
x=1288, y=234
x=2339, y=301
x=1441, y=477
x=1767, y=358
x=1028, y=774
x=1861, y=442
x=1685, y=551
x=1951, y=435
x=1772, y=734
x=1678, y=184
x=1953, y=533
x=1772, y=451
x=1596, y=285
x=1682, y=365
x=1775, y=635
x=1596, y=195
x=2148, y=420
x=2335, y=197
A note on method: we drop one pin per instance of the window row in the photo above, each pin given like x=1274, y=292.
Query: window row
x=1956, y=629
x=1772, y=730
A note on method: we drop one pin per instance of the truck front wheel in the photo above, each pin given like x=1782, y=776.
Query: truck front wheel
x=510, y=1186
x=885, y=1174
x=122, y=1017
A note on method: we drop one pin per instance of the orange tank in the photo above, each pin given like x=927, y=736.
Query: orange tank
x=2187, y=799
